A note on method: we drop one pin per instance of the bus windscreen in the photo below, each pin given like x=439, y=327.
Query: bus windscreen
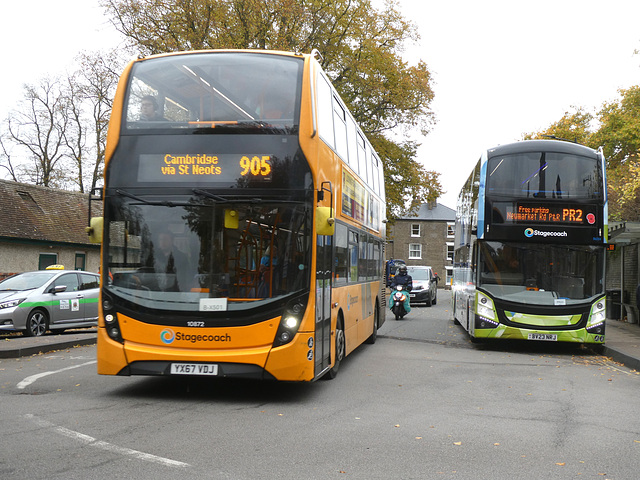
x=544, y=175
x=205, y=92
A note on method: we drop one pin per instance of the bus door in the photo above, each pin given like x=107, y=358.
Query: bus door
x=324, y=256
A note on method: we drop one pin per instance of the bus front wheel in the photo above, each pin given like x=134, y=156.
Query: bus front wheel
x=374, y=335
x=340, y=349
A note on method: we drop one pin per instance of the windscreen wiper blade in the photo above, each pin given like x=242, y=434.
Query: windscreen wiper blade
x=213, y=196
x=163, y=203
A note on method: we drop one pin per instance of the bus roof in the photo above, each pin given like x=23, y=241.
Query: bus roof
x=558, y=146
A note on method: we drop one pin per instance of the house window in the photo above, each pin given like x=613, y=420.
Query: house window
x=415, y=250
x=415, y=229
x=451, y=229
x=80, y=261
x=47, y=259
x=450, y=250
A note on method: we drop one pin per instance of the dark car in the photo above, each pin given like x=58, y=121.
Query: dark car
x=425, y=285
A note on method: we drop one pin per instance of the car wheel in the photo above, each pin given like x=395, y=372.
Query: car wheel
x=435, y=298
x=340, y=349
x=374, y=335
x=428, y=302
x=37, y=324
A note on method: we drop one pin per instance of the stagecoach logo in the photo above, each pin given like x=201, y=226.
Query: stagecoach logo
x=167, y=336
x=530, y=232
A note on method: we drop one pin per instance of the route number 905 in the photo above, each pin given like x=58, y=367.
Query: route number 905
x=255, y=166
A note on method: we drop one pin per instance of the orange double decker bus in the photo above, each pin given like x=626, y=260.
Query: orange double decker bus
x=243, y=231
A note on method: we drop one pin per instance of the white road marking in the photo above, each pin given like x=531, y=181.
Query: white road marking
x=29, y=380
x=93, y=442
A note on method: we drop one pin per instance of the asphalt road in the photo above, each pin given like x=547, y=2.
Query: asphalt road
x=421, y=403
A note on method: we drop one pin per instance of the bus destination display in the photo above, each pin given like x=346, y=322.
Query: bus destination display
x=203, y=167
x=551, y=214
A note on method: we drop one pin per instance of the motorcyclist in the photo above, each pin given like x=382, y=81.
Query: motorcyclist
x=402, y=278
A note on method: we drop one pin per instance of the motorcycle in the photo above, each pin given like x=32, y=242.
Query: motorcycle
x=400, y=302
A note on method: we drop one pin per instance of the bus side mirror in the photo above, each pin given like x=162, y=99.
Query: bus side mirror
x=325, y=223
x=231, y=219
x=94, y=230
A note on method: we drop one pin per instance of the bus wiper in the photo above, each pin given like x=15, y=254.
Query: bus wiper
x=163, y=203
x=213, y=196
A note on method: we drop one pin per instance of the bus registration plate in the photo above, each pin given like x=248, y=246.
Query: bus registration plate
x=194, y=369
x=550, y=337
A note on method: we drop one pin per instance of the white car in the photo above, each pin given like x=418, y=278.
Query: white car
x=34, y=302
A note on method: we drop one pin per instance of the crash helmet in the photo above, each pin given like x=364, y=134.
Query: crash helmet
x=402, y=269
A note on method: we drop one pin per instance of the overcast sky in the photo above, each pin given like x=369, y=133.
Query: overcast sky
x=501, y=68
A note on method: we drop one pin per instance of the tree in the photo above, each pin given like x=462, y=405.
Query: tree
x=408, y=179
x=59, y=128
x=575, y=127
x=619, y=132
x=39, y=128
x=5, y=158
x=360, y=49
x=90, y=90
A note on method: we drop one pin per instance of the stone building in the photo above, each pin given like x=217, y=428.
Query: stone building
x=42, y=226
x=425, y=238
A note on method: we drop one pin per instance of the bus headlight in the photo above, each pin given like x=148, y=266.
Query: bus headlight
x=597, y=318
x=290, y=322
x=484, y=307
x=111, y=319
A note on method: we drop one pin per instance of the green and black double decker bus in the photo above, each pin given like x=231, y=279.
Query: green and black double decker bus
x=531, y=231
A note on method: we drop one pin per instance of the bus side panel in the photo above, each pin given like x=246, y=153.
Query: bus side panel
x=365, y=327
x=294, y=361
x=347, y=302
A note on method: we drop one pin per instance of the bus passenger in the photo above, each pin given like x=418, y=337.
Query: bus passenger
x=149, y=110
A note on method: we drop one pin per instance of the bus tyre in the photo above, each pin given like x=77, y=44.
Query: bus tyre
x=340, y=349
x=374, y=335
x=37, y=324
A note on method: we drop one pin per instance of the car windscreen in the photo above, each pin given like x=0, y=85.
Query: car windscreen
x=419, y=273
x=26, y=281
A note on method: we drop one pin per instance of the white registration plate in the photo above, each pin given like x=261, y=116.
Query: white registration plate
x=194, y=369
x=412, y=295
x=549, y=337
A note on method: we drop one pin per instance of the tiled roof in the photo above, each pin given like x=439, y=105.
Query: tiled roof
x=434, y=213
x=31, y=212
